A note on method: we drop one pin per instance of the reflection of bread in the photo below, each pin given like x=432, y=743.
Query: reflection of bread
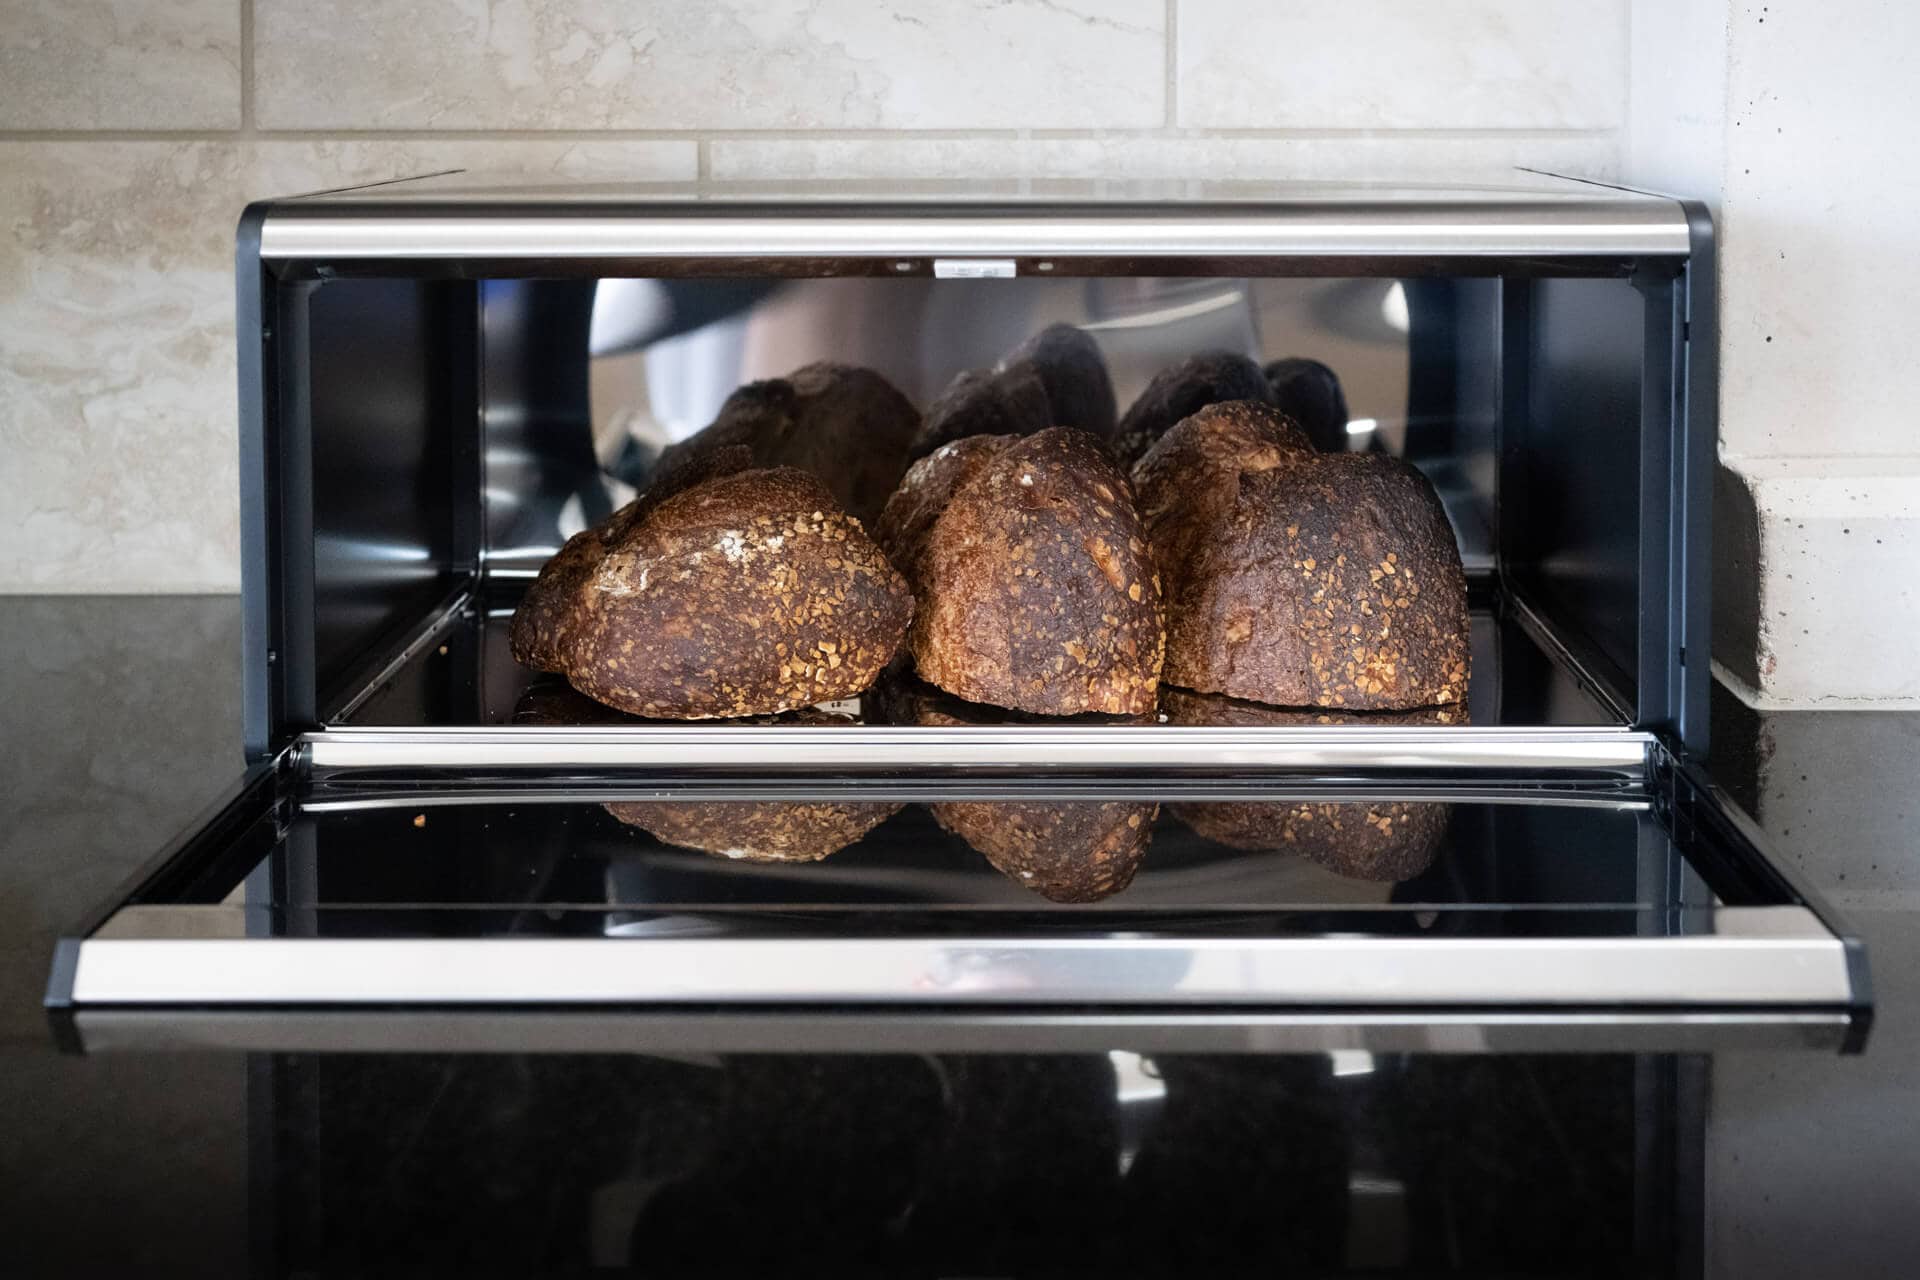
x=1057, y=378
x=1309, y=393
x=985, y=404
x=746, y=595
x=1069, y=364
x=1364, y=840
x=1187, y=483
x=1066, y=851
x=540, y=635
x=756, y=830
x=1035, y=585
x=1182, y=390
x=1334, y=583
x=846, y=425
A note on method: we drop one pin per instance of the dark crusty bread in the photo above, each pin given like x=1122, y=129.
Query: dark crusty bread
x=1334, y=583
x=1057, y=378
x=1182, y=390
x=1036, y=587
x=1079, y=388
x=749, y=594
x=550, y=700
x=1310, y=393
x=1189, y=480
x=848, y=426
x=924, y=493
x=1184, y=706
x=538, y=635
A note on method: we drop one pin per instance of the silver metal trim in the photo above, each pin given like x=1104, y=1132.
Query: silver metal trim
x=1783, y=960
x=1032, y=749
x=1588, y=226
x=360, y=797
x=577, y=1031
x=428, y=631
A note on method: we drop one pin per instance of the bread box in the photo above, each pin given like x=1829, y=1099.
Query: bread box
x=442, y=380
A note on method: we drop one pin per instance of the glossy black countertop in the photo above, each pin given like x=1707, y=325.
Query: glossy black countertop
x=121, y=722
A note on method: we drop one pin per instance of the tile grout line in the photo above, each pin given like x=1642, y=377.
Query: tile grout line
x=246, y=68
x=1171, y=53
x=708, y=136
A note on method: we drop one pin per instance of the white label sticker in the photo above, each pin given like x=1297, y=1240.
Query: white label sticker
x=973, y=268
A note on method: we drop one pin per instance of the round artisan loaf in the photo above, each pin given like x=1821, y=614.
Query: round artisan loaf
x=538, y=635
x=1182, y=390
x=1310, y=393
x=1335, y=582
x=1362, y=840
x=1066, y=851
x=746, y=595
x=1189, y=480
x=1057, y=378
x=847, y=425
x=1036, y=588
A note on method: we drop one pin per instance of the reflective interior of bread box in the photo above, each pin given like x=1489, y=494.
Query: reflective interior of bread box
x=581, y=384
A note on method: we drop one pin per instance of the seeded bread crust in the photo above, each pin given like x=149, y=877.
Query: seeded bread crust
x=539, y=635
x=1331, y=584
x=1182, y=390
x=1036, y=588
x=1190, y=479
x=925, y=492
x=847, y=425
x=747, y=595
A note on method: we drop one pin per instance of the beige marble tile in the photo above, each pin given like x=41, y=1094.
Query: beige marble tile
x=117, y=385
x=119, y=64
x=717, y=64
x=1383, y=158
x=1391, y=64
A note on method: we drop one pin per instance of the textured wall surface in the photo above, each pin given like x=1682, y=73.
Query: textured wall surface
x=132, y=132
x=1792, y=120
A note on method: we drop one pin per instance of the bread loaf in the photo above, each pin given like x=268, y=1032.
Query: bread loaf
x=846, y=425
x=1333, y=583
x=1187, y=483
x=1310, y=393
x=925, y=491
x=1035, y=584
x=747, y=595
x=538, y=635
x=1181, y=391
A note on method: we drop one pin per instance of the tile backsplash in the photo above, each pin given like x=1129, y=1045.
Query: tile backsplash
x=133, y=131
